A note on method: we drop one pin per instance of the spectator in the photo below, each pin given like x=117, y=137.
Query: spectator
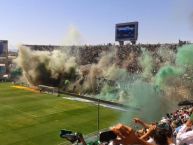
x=185, y=133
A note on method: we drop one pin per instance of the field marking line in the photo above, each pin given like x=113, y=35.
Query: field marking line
x=64, y=143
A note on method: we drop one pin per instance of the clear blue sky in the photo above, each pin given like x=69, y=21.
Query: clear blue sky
x=47, y=21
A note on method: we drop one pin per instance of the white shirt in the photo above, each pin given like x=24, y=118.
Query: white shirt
x=151, y=141
x=184, y=137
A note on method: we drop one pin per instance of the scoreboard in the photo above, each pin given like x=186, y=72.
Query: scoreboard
x=3, y=48
x=126, y=31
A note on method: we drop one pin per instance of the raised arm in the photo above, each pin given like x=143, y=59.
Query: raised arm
x=139, y=121
x=127, y=136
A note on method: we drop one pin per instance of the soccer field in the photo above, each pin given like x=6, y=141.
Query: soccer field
x=28, y=118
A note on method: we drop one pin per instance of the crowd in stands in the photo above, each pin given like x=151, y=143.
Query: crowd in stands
x=127, y=56
x=89, y=54
x=173, y=129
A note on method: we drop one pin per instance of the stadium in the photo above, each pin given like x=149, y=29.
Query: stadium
x=37, y=103
x=119, y=93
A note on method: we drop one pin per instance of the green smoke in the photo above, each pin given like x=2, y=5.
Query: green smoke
x=184, y=56
x=148, y=99
x=184, y=60
x=153, y=98
x=109, y=93
x=165, y=73
x=142, y=93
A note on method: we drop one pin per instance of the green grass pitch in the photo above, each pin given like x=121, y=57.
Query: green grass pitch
x=28, y=118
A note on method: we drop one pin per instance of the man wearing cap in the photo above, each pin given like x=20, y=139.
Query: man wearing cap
x=185, y=134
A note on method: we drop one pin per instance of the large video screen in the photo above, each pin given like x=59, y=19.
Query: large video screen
x=2, y=69
x=3, y=48
x=126, y=31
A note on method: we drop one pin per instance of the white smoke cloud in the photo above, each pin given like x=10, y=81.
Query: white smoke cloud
x=41, y=67
x=73, y=37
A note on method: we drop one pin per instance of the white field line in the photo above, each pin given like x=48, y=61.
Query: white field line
x=64, y=143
